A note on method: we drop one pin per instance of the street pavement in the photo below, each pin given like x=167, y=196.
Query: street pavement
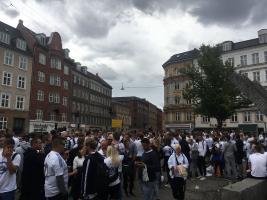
x=209, y=189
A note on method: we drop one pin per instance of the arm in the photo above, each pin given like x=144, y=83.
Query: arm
x=11, y=167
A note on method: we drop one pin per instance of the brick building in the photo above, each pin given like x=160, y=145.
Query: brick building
x=15, y=79
x=91, y=100
x=143, y=113
x=49, y=101
x=159, y=119
x=121, y=111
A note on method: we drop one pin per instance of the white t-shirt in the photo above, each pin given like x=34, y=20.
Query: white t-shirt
x=258, y=164
x=16, y=140
x=112, y=170
x=78, y=162
x=54, y=165
x=139, y=148
x=8, y=181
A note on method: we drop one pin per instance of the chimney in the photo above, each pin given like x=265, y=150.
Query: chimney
x=21, y=21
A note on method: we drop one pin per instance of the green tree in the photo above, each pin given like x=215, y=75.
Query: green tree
x=210, y=88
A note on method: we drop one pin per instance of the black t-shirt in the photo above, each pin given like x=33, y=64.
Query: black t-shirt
x=151, y=160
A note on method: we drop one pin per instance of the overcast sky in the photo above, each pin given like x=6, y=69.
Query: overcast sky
x=127, y=41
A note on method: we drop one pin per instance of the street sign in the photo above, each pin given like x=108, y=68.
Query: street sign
x=116, y=123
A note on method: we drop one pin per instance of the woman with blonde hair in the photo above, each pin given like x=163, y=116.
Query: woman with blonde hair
x=113, y=162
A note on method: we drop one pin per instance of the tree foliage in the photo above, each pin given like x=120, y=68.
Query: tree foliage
x=210, y=88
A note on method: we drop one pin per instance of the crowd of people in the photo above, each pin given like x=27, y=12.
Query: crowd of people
x=100, y=165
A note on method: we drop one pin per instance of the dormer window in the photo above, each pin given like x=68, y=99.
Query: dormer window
x=21, y=44
x=262, y=36
x=4, y=37
x=42, y=39
x=66, y=53
x=227, y=46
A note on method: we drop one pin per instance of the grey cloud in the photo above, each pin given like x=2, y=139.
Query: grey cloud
x=11, y=13
x=104, y=71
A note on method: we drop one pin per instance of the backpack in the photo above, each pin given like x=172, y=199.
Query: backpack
x=102, y=176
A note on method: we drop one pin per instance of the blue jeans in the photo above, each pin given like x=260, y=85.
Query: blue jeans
x=148, y=189
x=8, y=195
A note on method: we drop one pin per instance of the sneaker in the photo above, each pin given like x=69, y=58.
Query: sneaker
x=202, y=178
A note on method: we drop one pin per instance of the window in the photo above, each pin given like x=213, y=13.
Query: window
x=231, y=61
x=245, y=74
x=265, y=56
x=42, y=59
x=189, y=116
x=64, y=117
x=21, y=44
x=255, y=58
x=178, y=116
x=66, y=85
x=243, y=60
x=4, y=37
x=8, y=60
x=51, y=98
x=5, y=100
x=256, y=76
x=66, y=70
x=52, y=116
x=55, y=80
x=188, y=101
x=20, y=102
x=7, y=79
x=177, y=85
x=23, y=62
x=39, y=114
x=247, y=116
x=234, y=118
x=56, y=98
x=40, y=95
x=227, y=46
x=205, y=119
x=21, y=82
x=177, y=99
x=259, y=116
x=3, y=122
x=55, y=63
x=41, y=76
x=65, y=101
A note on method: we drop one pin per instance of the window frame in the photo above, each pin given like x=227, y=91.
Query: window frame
x=3, y=78
x=21, y=82
x=23, y=102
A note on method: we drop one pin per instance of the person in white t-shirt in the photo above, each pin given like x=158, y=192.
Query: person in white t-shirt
x=9, y=164
x=139, y=146
x=56, y=172
x=258, y=162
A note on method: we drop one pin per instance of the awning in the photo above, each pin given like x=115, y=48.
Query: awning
x=248, y=127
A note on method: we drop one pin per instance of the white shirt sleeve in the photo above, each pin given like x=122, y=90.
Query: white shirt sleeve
x=16, y=160
x=171, y=161
x=58, y=168
x=75, y=163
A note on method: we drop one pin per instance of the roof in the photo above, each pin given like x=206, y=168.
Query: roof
x=98, y=79
x=14, y=34
x=246, y=44
x=182, y=57
x=131, y=98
